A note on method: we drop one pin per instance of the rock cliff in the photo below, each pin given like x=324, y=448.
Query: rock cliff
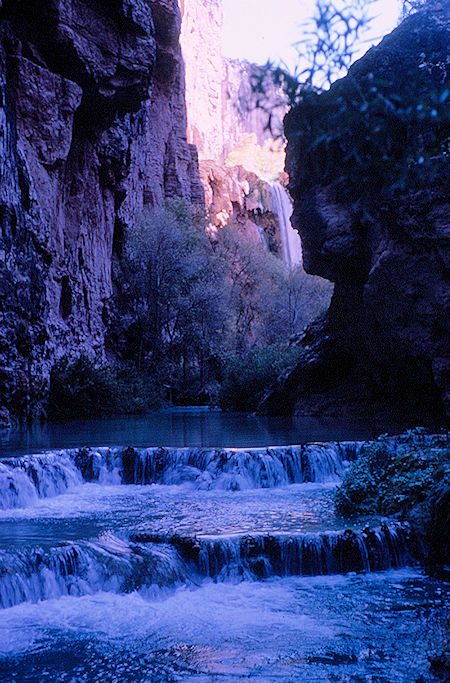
x=92, y=129
x=369, y=173
x=222, y=101
x=235, y=195
x=233, y=125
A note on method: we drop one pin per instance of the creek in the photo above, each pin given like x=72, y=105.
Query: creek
x=202, y=560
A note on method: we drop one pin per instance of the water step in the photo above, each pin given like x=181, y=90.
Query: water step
x=108, y=564
x=254, y=556
x=26, y=479
x=122, y=566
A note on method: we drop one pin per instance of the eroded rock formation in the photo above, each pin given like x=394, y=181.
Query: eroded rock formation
x=228, y=121
x=373, y=215
x=92, y=129
x=235, y=195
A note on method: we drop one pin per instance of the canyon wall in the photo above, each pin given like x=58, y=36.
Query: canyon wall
x=369, y=173
x=229, y=106
x=93, y=129
x=224, y=97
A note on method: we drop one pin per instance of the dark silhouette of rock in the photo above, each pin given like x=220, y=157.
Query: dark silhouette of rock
x=369, y=178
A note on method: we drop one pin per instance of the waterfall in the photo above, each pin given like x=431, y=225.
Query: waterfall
x=108, y=564
x=117, y=565
x=290, y=240
x=333, y=552
x=25, y=479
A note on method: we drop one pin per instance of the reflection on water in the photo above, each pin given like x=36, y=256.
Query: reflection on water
x=184, y=428
x=90, y=509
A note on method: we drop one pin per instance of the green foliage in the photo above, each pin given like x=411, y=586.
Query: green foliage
x=387, y=481
x=370, y=138
x=171, y=278
x=266, y=303
x=246, y=378
x=189, y=301
x=410, y=6
x=367, y=140
x=83, y=388
x=332, y=40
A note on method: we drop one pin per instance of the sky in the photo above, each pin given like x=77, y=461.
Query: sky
x=258, y=30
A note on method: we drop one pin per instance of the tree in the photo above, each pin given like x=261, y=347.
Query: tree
x=253, y=280
x=171, y=279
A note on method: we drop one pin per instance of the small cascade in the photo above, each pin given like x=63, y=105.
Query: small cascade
x=109, y=564
x=114, y=565
x=24, y=480
x=255, y=557
x=290, y=239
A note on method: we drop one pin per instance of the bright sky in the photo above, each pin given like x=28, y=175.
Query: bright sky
x=258, y=30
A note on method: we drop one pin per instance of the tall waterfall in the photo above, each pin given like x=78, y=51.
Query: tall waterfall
x=290, y=239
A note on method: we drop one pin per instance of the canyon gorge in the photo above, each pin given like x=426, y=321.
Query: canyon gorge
x=110, y=108
x=193, y=484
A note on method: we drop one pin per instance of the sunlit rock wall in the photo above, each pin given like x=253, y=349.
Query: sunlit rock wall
x=221, y=94
x=235, y=195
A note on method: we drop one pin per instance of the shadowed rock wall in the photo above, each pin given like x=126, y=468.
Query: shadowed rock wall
x=369, y=176
x=92, y=129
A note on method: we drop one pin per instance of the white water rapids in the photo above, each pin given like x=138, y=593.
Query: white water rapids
x=202, y=564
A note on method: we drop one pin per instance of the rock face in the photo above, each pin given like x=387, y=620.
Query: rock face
x=375, y=220
x=222, y=100
x=235, y=195
x=92, y=129
x=228, y=116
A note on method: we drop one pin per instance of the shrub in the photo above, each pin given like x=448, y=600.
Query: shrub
x=388, y=479
x=246, y=378
x=81, y=387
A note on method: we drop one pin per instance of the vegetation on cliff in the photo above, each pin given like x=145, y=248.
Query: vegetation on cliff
x=409, y=478
x=198, y=319
x=368, y=166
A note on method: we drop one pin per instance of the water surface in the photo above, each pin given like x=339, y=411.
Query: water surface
x=184, y=427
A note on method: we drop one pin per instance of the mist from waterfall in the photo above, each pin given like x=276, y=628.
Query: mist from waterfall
x=290, y=240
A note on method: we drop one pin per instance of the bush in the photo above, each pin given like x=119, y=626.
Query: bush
x=81, y=387
x=246, y=378
x=388, y=479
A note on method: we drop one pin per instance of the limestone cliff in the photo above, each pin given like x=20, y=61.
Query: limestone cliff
x=235, y=195
x=368, y=168
x=223, y=102
x=92, y=129
x=233, y=126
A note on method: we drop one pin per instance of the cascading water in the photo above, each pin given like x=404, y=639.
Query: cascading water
x=290, y=240
x=24, y=480
x=118, y=563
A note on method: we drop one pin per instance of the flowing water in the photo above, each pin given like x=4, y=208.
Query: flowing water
x=290, y=239
x=200, y=563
